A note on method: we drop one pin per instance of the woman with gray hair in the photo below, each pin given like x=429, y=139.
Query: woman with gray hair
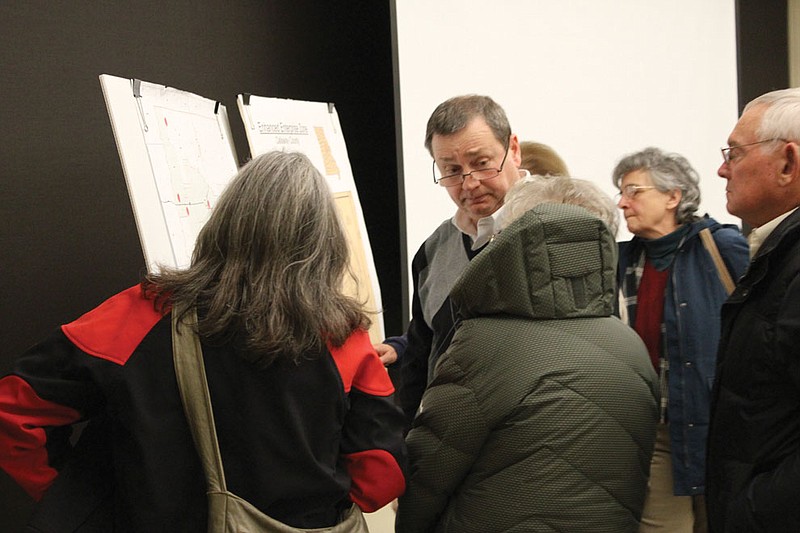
x=307, y=429
x=672, y=293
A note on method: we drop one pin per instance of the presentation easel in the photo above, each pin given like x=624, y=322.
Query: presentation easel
x=177, y=156
x=313, y=128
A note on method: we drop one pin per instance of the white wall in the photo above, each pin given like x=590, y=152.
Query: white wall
x=594, y=79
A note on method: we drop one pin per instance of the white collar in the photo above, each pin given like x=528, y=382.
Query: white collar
x=758, y=235
x=485, y=227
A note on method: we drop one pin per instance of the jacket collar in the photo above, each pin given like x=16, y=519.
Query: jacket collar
x=787, y=229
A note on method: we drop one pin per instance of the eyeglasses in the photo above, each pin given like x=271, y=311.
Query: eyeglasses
x=452, y=180
x=731, y=153
x=630, y=191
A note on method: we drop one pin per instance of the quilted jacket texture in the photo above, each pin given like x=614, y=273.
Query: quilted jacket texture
x=541, y=414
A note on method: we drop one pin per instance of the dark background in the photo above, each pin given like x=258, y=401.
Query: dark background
x=761, y=47
x=68, y=235
x=67, y=232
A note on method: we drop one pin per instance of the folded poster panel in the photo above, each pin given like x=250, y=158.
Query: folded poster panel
x=177, y=155
x=313, y=128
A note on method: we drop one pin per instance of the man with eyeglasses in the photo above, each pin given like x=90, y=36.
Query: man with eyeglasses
x=753, y=467
x=476, y=159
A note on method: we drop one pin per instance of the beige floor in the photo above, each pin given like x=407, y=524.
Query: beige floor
x=381, y=521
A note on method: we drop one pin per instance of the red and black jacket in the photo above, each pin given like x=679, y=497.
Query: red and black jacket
x=298, y=441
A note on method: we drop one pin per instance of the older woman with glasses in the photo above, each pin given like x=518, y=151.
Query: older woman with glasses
x=308, y=432
x=673, y=290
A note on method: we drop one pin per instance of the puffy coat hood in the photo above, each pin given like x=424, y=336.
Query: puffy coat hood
x=555, y=261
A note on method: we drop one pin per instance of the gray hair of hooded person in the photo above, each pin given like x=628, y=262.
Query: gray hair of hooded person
x=535, y=190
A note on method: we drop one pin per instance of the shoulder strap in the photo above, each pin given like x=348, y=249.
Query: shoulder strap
x=193, y=386
x=722, y=270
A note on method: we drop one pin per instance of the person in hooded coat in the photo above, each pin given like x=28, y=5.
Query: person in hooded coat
x=541, y=414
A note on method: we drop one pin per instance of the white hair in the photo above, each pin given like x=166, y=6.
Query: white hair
x=535, y=190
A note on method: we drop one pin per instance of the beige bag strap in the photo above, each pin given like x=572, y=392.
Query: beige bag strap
x=722, y=270
x=227, y=512
x=193, y=386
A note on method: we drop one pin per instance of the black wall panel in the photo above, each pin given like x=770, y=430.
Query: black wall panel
x=762, y=51
x=762, y=47
x=67, y=233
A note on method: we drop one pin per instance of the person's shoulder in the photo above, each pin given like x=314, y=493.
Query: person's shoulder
x=114, y=329
x=728, y=234
x=721, y=231
x=446, y=235
x=359, y=365
x=436, y=235
x=445, y=230
x=790, y=225
x=627, y=248
x=730, y=242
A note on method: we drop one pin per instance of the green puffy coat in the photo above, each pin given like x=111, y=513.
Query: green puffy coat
x=541, y=415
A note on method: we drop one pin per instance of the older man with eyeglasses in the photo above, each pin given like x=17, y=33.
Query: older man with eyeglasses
x=753, y=472
x=476, y=159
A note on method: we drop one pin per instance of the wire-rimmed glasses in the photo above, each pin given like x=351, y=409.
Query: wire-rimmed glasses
x=731, y=154
x=630, y=191
x=480, y=174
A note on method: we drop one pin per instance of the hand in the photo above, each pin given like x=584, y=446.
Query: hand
x=387, y=353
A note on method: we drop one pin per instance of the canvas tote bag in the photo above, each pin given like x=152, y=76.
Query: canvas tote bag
x=227, y=513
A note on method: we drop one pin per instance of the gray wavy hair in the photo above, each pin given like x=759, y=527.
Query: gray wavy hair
x=268, y=266
x=530, y=192
x=668, y=172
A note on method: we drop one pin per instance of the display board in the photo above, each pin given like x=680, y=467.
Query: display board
x=313, y=128
x=177, y=155
x=358, y=260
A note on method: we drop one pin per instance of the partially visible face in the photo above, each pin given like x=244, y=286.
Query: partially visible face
x=650, y=214
x=471, y=148
x=752, y=172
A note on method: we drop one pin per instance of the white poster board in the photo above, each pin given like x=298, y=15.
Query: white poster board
x=177, y=155
x=313, y=129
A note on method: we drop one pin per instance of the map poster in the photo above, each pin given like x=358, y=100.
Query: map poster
x=177, y=156
x=359, y=287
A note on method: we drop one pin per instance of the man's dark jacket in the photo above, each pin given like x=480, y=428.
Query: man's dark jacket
x=753, y=467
